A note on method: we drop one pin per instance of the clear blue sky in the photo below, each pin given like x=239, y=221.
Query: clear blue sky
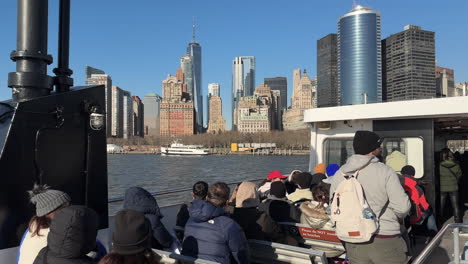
x=139, y=42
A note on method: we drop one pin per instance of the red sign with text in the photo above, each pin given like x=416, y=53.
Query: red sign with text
x=318, y=234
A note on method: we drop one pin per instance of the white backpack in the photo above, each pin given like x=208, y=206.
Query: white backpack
x=347, y=211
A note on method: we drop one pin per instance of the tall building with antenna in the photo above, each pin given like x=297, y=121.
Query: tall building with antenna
x=359, y=57
x=194, y=50
x=243, y=82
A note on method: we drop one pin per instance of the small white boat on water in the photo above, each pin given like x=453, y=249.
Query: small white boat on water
x=181, y=149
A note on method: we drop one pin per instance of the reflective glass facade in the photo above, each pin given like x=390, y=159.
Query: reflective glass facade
x=359, y=57
x=194, y=50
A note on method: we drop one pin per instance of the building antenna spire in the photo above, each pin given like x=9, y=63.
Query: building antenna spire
x=193, y=30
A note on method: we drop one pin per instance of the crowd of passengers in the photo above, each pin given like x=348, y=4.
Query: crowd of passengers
x=216, y=224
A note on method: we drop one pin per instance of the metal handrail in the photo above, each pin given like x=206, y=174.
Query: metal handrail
x=436, y=240
x=121, y=198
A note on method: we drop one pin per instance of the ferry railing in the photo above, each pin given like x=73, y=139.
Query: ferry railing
x=437, y=239
x=171, y=191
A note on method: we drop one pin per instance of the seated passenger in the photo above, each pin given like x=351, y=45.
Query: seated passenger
x=199, y=191
x=396, y=160
x=278, y=207
x=231, y=204
x=211, y=235
x=140, y=200
x=420, y=208
x=290, y=183
x=264, y=188
x=314, y=213
x=72, y=235
x=302, y=192
x=331, y=170
x=318, y=176
x=256, y=224
x=48, y=202
x=131, y=240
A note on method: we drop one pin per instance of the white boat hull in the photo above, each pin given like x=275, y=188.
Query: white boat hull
x=179, y=152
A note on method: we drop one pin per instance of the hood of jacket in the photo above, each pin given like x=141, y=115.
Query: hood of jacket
x=273, y=197
x=73, y=232
x=357, y=162
x=448, y=164
x=202, y=211
x=139, y=199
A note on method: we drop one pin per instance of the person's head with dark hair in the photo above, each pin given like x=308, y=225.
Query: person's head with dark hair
x=200, y=190
x=218, y=194
x=321, y=194
x=278, y=189
x=446, y=154
x=408, y=170
x=303, y=180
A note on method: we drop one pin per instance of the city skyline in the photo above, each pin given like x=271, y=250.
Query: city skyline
x=107, y=42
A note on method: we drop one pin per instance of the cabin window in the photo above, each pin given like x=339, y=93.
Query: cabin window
x=337, y=150
x=399, y=152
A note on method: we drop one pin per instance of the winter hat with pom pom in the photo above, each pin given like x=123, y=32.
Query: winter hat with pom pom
x=46, y=199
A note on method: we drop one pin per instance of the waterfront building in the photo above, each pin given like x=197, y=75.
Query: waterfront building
x=445, y=82
x=194, y=50
x=359, y=57
x=243, y=82
x=257, y=113
x=152, y=106
x=461, y=89
x=279, y=90
x=327, y=71
x=216, y=122
x=117, y=112
x=177, y=114
x=127, y=115
x=408, y=65
x=302, y=99
x=95, y=77
x=138, y=117
x=213, y=90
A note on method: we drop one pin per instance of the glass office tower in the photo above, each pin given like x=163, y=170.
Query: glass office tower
x=359, y=57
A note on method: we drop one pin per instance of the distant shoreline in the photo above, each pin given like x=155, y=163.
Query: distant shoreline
x=229, y=153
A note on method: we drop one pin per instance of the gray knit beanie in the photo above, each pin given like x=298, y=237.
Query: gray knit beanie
x=47, y=200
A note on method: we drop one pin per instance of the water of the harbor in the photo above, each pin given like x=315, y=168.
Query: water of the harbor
x=159, y=173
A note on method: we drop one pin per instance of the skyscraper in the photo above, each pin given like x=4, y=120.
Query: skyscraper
x=302, y=99
x=213, y=90
x=216, y=122
x=327, y=71
x=138, y=117
x=194, y=50
x=408, y=65
x=117, y=112
x=151, y=114
x=127, y=115
x=186, y=64
x=98, y=77
x=243, y=82
x=279, y=87
x=359, y=57
x=445, y=82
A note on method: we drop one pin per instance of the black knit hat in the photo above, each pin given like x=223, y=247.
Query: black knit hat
x=278, y=189
x=365, y=142
x=408, y=170
x=132, y=233
x=303, y=180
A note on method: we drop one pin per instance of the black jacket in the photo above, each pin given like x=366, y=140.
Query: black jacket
x=141, y=200
x=72, y=235
x=256, y=224
x=211, y=235
x=280, y=210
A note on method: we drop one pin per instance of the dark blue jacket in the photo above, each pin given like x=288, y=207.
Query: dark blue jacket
x=140, y=200
x=211, y=235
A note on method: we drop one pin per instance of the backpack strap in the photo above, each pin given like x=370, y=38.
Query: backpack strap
x=383, y=209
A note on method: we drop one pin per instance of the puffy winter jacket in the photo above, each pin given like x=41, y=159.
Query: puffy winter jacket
x=141, y=200
x=450, y=174
x=72, y=235
x=211, y=235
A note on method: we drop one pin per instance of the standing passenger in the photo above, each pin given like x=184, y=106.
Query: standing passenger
x=72, y=235
x=210, y=234
x=385, y=197
x=47, y=202
x=140, y=200
x=450, y=174
x=131, y=240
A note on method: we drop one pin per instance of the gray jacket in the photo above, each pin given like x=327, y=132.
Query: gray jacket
x=380, y=184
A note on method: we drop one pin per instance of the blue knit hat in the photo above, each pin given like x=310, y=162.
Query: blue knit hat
x=47, y=200
x=332, y=169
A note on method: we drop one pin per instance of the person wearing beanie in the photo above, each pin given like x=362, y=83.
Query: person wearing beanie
x=303, y=182
x=256, y=224
x=278, y=207
x=131, y=240
x=331, y=170
x=72, y=235
x=210, y=234
x=385, y=196
x=139, y=199
x=290, y=182
x=48, y=202
x=320, y=168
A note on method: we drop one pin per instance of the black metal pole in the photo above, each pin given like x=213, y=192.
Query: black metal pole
x=30, y=79
x=63, y=82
